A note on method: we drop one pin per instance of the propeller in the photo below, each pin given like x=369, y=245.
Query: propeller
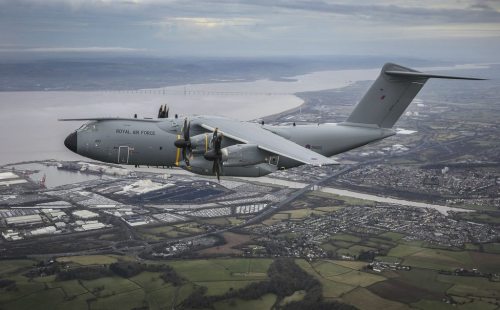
x=215, y=154
x=163, y=112
x=185, y=142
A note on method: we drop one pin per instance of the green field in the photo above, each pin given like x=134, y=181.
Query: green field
x=475, y=286
x=432, y=305
x=481, y=217
x=109, y=286
x=8, y=266
x=296, y=296
x=327, y=269
x=344, y=280
x=43, y=299
x=70, y=288
x=492, y=248
x=88, y=259
x=302, y=213
x=404, y=250
x=331, y=289
x=393, y=236
x=346, y=237
x=149, y=281
x=358, y=278
x=221, y=287
x=439, y=259
x=364, y=299
x=328, y=209
x=127, y=300
x=162, y=298
x=222, y=269
x=24, y=288
x=264, y=303
x=486, y=262
x=342, y=244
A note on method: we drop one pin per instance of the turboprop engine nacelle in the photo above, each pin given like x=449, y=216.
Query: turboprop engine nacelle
x=240, y=155
x=200, y=143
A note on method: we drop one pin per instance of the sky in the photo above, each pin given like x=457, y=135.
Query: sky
x=466, y=30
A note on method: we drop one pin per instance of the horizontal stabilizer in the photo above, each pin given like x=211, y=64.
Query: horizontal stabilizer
x=421, y=75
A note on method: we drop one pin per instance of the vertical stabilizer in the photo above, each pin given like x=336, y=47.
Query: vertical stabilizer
x=390, y=95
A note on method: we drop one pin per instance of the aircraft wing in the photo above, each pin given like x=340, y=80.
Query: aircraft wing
x=107, y=119
x=251, y=133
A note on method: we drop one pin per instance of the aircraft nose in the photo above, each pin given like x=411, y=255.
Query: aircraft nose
x=70, y=141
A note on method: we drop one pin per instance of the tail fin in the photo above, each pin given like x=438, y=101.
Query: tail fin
x=390, y=95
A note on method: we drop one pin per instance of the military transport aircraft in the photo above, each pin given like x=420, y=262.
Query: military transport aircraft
x=214, y=145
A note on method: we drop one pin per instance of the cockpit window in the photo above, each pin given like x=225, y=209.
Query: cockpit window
x=88, y=126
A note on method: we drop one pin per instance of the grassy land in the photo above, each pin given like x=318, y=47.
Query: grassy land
x=394, y=236
x=344, y=280
x=328, y=209
x=302, y=213
x=222, y=269
x=346, y=237
x=328, y=269
x=364, y=299
x=88, y=259
x=43, y=299
x=358, y=278
x=439, y=259
x=126, y=300
x=109, y=286
x=404, y=250
x=331, y=289
x=276, y=218
x=296, y=296
x=70, y=288
x=8, y=266
x=265, y=302
x=221, y=287
x=486, y=262
x=492, y=248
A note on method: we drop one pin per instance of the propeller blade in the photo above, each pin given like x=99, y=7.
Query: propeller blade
x=216, y=169
x=219, y=162
x=186, y=130
x=214, y=136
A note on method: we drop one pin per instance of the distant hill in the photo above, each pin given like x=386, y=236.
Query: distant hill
x=129, y=73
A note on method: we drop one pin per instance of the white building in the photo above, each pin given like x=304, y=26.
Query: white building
x=24, y=219
x=44, y=231
x=85, y=214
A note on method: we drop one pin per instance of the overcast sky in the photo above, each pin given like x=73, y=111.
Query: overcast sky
x=450, y=29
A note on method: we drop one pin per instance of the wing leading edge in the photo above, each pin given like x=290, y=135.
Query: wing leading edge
x=251, y=133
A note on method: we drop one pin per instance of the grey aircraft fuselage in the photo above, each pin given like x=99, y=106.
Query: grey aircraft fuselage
x=250, y=149
x=151, y=142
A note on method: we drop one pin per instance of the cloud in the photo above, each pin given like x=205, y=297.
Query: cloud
x=249, y=27
x=202, y=22
x=90, y=49
x=385, y=11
